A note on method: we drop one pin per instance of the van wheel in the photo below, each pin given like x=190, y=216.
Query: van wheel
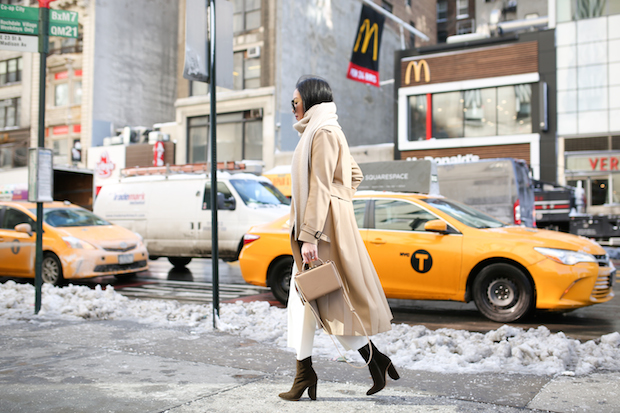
x=179, y=261
x=280, y=279
x=51, y=272
x=503, y=293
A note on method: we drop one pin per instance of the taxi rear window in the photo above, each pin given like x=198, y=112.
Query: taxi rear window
x=468, y=216
x=72, y=217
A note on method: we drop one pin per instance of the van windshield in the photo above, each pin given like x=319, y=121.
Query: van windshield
x=259, y=193
x=468, y=216
x=71, y=217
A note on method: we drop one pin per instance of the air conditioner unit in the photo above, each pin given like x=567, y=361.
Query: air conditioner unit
x=256, y=113
x=254, y=51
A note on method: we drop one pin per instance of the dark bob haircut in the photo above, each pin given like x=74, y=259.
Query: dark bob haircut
x=314, y=90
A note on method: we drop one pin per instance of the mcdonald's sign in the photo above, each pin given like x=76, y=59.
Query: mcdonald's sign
x=364, y=64
x=417, y=66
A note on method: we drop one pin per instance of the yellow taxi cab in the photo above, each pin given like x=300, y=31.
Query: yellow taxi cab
x=76, y=243
x=428, y=247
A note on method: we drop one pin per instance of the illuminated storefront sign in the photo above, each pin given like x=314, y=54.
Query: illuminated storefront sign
x=417, y=66
x=595, y=162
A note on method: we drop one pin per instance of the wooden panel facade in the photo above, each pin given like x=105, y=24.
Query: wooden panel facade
x=505, y=60
x=518, y=151
x=142, y=154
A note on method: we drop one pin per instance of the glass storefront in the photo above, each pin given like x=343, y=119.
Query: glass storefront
x=598, y=173
x=495, y=111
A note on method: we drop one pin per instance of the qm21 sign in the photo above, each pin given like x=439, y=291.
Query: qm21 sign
x=22, y=20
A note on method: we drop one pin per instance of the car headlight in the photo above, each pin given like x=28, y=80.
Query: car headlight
x=77, y=243
x=139, y=236
x=566, y=257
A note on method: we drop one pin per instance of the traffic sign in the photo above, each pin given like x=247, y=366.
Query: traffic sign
x=63, y=23
x=25, y=20
x=19, y=43
x=12, y=11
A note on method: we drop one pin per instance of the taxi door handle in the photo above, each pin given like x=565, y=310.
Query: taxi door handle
x=378, y=241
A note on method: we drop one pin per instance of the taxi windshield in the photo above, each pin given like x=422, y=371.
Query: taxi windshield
x=71, y=217
x=259, y=193
x=468, y=216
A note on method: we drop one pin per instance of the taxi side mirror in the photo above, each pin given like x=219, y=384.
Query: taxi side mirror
x=436, y=225
x=25, y=228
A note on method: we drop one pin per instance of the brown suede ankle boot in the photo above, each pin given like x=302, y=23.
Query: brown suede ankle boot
x=304, y=379
x=380, y=366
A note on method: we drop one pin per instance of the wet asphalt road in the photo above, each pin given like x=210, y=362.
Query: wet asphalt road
x=583, y=324
x=193, y=284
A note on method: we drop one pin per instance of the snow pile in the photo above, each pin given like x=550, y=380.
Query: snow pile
x=505, y=350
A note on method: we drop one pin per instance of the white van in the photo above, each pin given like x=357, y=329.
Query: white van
x=499, y=187
x=172, y=212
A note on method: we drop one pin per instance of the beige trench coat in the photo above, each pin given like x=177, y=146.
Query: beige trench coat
x=330, y=221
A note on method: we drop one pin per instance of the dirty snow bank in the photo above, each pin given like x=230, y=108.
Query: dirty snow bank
x=505, y=350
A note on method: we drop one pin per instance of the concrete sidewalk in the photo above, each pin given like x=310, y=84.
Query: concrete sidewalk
x=116, y=366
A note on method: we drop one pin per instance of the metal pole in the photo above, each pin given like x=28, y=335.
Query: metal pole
x=44, y=18
x=396, y=19
x=213, y=134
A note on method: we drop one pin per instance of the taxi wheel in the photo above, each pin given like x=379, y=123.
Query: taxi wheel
x=503, y=293
x=51, y=269
x=280, y=279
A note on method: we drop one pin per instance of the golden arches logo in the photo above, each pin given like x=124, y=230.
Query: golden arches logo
x=417, y=66
x=371, y=31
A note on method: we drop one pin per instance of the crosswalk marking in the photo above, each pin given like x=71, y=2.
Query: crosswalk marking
x=191, y=292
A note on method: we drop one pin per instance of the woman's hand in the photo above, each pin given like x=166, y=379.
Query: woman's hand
x=309, y=252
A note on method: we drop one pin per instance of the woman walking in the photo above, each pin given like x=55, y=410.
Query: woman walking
x=324, y=179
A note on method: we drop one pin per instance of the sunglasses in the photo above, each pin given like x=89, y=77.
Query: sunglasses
x=294, y=104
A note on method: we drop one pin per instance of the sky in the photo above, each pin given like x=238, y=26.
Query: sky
x=505, y=350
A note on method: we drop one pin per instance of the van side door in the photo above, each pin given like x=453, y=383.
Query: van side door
x=227, y=216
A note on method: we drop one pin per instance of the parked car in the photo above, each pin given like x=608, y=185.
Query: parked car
x=172, y=212
x=76, y=243
x=431, y=248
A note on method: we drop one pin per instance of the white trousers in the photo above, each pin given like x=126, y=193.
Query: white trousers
x=302, y=325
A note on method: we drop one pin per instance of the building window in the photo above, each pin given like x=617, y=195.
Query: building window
x=239, y=137
x=442, y=36
x=568, y=10
x=198, y=88
x=77, y=92
x=246, y=71
x=11, y=71
x=61, y=94
x=412, y=36
x=417, y=118
x=496, y=111
x=387, y=6
x=246, y=15
x=408, y=3
x=465, y=26
x=462, y=9
x=10, y=110
x=246, y=74
x=442, y=11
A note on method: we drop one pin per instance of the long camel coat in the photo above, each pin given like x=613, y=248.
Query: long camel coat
x=329, y=220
